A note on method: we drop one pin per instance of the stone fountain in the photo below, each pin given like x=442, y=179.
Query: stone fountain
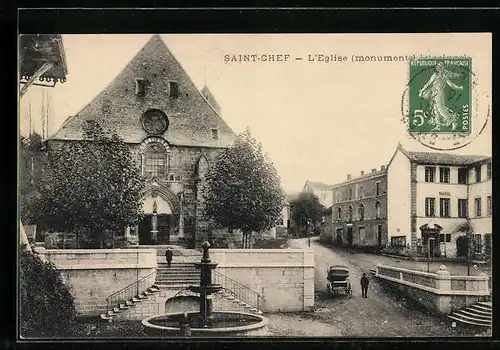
x=206, y=322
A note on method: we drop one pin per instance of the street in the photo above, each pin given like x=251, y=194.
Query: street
x=383, y=314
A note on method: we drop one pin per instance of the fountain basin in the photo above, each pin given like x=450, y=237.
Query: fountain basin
x=224, y=324
x=211, y=289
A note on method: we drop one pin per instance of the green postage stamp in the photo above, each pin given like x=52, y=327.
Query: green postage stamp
x=440, y=95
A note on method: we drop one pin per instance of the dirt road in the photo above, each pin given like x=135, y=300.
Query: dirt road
x=384, y=313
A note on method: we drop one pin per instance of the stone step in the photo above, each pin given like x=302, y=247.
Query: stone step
x=479, y=316
x=474, y=322
x=176, y=285
x=487, y=304
x=162, y=283
x=176, y=273
x=481, y=308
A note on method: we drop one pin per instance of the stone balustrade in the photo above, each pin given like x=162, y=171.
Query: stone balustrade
x=439, y=291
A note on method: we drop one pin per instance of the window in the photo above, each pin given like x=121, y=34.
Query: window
x=173, y=89
x=398, y=241
x=349, y=194
x=377, y=210
x=377, y=188
x=430, y=174
x=361, y=212
x=444, y=207
x=361, y=191
x=488, y=170
x=444, y=237
x=140, y=86
x=477, y=170
x=463, y=175
x=477, y=206
x=444, y=175
x=339, y=213
x=349, y=213
x=477, y=244
x=430, y=206
x=488, y=206
x=462, y=208
x=215, y=133
x=156, y=161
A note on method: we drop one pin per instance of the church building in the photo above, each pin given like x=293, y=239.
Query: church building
x=174, y=131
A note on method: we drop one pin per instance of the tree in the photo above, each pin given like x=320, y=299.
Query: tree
x=243, y=190
x=468, y=229
x=307, y=210
x=91, y=186
x=47, y=308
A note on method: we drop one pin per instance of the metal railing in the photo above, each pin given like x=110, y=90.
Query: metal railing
x=130, y=291
x=240, y=291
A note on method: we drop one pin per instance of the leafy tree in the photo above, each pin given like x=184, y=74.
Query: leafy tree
x=91, y=186
x=243, y=189
x=307, y=210
x=47, y=308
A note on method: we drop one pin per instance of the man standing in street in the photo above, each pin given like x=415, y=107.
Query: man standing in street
x=168, y=256
x=364, y=286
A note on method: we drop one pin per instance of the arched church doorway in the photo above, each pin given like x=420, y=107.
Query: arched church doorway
x=158, y=223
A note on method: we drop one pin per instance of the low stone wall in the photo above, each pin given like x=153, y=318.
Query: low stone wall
x=93, y=274
x=284, y=278
x=438, y=291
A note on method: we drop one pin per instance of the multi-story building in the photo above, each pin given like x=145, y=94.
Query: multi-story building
x=359, y=215
x=435, y=198
x=174, y=132
x=320, y=190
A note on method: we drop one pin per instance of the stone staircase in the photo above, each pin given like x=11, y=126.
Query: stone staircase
x=177, y=276
x=479, y=314
x=130, y=303
x=182, y=275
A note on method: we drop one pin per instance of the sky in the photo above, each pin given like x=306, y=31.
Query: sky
x=316, y=120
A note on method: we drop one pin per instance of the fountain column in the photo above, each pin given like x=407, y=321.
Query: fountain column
x=206, y=288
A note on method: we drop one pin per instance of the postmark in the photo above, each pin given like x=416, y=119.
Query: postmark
x=444, y=106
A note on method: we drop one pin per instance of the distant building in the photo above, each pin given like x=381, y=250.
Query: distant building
x=174, y=133
x=359, y=214
x=320, y=190
x=431, y=196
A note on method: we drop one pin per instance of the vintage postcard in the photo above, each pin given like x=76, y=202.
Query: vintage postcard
x=255, y=185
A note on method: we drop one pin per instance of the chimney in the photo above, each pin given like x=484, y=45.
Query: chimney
x=374, y=170
x=348, y=176
x=362, y=172
x=382, y=167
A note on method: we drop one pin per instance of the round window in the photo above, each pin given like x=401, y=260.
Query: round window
x=154, y=121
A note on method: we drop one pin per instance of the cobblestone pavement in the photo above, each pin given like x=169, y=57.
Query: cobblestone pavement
x=385, y=313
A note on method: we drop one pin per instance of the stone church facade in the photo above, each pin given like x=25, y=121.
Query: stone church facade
x=174, y=132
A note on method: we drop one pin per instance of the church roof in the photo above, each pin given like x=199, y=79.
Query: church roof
x=118, y=107
x=207, y=94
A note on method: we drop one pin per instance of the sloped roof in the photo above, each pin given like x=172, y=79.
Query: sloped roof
x=442, y=158
x=36, y=50
x=207, y=94
x=317, y=185
x=118, y=108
